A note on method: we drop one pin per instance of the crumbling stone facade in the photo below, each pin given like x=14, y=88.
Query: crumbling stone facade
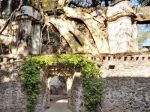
x=122, y=29
x=126, y=76
x=126, y=87
x=127, y=83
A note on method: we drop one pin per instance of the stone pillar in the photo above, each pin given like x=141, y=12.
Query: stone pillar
x=36, y=39
x=8, y=9
x=76, y=102
x=1, y=8
x=69, y=84
x=43, y=101
x=29, y=32
x=121, y=28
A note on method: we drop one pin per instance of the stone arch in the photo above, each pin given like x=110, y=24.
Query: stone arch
x=73, y=83
x=34, y=73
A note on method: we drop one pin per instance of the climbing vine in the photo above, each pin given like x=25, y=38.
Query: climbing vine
x=91, y=80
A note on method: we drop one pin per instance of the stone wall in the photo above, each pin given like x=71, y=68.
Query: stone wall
x=126, y=94
x=127, y=84
x=12, y=97
x=127, y=87
x=12, y=94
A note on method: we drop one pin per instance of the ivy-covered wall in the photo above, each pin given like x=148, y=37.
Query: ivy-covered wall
x=91, y=80
x=126, y=85
x=32, y=81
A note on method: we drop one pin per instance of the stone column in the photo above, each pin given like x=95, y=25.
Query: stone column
x=29, y=31
x=36, y=39
x=76, y=100
x=8, y=9
x=121, y=28
x=1, y=8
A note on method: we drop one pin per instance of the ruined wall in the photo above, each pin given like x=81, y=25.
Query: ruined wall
x=12, y=93
x=127, y=83
x=12, y=97
x=126, y=94
x=122, y=31
x=126, y=78
x=126, y=87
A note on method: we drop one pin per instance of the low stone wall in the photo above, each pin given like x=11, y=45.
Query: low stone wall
x=126, y=94
x=126, y=66
x=127, y=84
x=12, y=97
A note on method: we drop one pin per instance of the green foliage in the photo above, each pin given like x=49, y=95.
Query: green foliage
x=143, y=36
x=141, y=39
x=91, y=80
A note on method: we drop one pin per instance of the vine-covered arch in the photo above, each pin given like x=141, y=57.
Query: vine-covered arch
x=91, y=80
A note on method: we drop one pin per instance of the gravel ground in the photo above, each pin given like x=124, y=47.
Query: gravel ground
x=59, y=106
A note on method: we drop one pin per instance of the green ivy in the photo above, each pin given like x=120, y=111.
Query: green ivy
x=91, y=80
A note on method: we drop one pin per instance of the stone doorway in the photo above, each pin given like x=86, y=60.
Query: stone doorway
x=64, y=92
x=58, y=94
x=57, y=85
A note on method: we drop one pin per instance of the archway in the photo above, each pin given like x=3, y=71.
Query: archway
x=34, y=75
x=65, y=99
x=73, y=99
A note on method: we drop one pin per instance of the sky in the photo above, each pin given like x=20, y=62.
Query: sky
x=134, y=3
x=142, y=28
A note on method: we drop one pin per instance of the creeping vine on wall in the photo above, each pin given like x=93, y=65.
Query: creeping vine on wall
x=91, y=80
